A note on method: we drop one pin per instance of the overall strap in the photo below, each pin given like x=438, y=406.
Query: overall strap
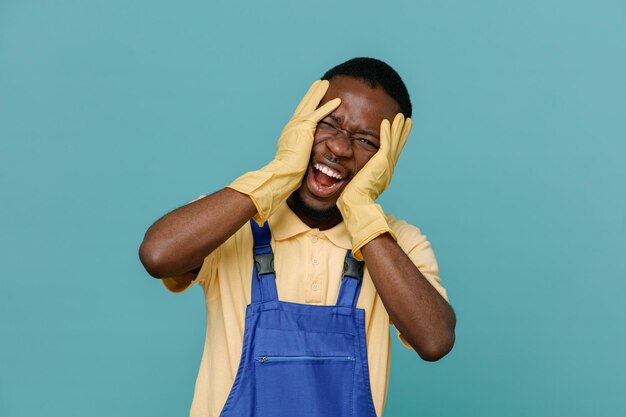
x=263, y=275
x=351, y=281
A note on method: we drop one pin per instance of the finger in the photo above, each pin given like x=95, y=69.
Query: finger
x=408, y=125
x=385, y=136
x=406, y=129
x=306, y=97
x=325, y=110
x=396, y=129
x=312, y=98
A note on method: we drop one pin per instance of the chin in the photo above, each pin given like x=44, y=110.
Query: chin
x=307, y=205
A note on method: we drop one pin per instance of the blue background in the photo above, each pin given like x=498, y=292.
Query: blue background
x=114, y=112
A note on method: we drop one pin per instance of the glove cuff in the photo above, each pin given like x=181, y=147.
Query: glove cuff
x=364, y=224
x=268, y=187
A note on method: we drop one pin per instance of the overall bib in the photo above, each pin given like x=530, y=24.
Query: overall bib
x=301, y=360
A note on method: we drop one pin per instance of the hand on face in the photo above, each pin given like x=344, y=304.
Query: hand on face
x=296, y=139
x=365, y=220
x=270, y=186
x=375, y=176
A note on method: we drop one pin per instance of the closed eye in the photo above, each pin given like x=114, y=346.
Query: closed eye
x=367, y=143
x=362, y=142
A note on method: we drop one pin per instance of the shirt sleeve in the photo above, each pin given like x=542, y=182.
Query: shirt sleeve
x=419, y=250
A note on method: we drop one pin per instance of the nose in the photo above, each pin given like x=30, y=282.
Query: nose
x=340, y=144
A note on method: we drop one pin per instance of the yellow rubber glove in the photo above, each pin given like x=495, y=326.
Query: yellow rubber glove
x=365, y=220
x=270, y=186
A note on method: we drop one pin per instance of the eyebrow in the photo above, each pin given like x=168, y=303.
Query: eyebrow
x=360, y=132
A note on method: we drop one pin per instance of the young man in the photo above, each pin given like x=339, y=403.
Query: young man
x=314, y=339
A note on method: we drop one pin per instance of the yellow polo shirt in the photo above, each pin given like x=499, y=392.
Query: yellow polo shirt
x=309, y=265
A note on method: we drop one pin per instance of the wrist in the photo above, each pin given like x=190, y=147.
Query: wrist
x=364, y=223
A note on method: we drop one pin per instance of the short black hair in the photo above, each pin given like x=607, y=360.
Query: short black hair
x=375, y=73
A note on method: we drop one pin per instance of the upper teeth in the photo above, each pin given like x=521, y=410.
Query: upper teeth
x=328, y=171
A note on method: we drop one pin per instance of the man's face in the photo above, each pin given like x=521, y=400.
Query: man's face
x=344, y=140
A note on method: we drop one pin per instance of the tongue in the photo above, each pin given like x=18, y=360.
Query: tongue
x=324, y=179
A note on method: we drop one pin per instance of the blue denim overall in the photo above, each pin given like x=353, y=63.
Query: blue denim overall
x=301, y=360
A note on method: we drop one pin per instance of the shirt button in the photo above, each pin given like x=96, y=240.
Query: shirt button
x=314, y=239
x=315, y=261
x=315, y=286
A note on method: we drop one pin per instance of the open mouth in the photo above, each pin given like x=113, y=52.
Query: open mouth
x=323, y=180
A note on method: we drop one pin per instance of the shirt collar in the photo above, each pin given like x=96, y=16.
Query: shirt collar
x=285, y=224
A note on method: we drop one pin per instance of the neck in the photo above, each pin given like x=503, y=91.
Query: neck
x=315, y=219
